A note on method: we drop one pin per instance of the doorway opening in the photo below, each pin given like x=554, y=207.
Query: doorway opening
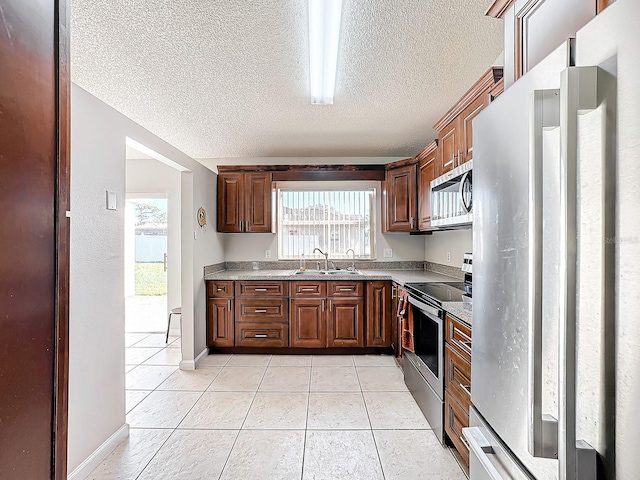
x=146, y=264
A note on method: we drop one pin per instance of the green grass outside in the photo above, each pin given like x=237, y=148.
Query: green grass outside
x=151, y=279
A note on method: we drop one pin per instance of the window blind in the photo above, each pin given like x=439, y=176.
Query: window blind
x=331, y=220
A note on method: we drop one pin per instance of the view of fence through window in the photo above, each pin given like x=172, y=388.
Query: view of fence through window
x=331, y=220
x=150, y=246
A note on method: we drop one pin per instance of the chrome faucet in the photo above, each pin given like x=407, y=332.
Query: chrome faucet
x=326, y=258
x=353, y=259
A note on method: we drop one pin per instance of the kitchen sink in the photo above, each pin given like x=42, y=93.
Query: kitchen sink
x=330, y=272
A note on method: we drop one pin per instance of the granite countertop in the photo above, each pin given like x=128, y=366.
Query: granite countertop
x=399, y=276
x=459, y=310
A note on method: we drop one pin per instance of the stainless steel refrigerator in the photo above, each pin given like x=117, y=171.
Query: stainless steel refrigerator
x=556, y=234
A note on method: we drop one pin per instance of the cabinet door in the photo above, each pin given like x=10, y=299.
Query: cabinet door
x=426, y=173
x=448, y=146
x=257, y=201
x=402, y=199
x=455, y=419
x=345, y=319
x=230, y=202
x=466, y=119
x=308, y=322
x=379, y=330
x=220, y=322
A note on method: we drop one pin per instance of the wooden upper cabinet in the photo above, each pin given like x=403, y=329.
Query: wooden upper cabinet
x=427, y=171
x=230, y=202
x=455, y=128
x=449, y=142
x=378, y=314
x=402, y=198
x=466, y=123
x=257, y=201
x=244, y=202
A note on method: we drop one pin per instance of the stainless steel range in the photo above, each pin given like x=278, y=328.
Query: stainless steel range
x=424, y=367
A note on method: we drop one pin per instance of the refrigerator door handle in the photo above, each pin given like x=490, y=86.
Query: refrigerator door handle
x=480, y=448
x=543, y=428
x=578, y=93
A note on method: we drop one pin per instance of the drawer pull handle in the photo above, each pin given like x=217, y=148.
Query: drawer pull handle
x=464, y=440
x=466, y=388
x=260, y=335
x=346, y=289
x=260, y=289
x=307, y=289
x=220, y=289
x=466, y=343
x=261, y=310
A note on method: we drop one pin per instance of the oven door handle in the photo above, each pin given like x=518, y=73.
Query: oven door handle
x=424, y=307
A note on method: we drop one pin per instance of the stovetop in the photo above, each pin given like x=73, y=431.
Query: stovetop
x=439, y=292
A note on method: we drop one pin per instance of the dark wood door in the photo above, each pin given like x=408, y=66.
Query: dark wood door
x=379, y=329
x=34, y=234
x=308, y=322
x=230, y=202
x=346, y=322
x=466, y=122
x=220, y=322
x=402, y=199
x=257, y=201
x=426, y=173
x=448, y=147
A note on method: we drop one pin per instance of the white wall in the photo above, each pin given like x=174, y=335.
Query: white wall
x=96, y=324
x=251, y=246
x=151, y=176
x=458, y=242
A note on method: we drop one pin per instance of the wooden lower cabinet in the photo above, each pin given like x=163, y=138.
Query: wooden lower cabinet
x=262, y=334
x=455, y=419
x=308, y=322
x=220, y=322
x=457, y=378
x=308, y=314
x=345, y=322
x=379, y=324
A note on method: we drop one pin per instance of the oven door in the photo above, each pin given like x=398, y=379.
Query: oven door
x=428, y=336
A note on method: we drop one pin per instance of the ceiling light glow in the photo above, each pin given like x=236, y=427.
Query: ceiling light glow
x=324, y=34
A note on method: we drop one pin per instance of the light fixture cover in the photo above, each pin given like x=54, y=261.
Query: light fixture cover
x=324, y=34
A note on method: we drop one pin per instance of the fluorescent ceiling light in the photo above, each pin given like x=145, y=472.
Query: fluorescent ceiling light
x=324, y=32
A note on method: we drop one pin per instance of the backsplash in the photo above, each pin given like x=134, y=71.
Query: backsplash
x=444, y=270
x=311, y=265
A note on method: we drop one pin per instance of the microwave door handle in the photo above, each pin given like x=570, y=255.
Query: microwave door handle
x=578, y=93
x=542, y=429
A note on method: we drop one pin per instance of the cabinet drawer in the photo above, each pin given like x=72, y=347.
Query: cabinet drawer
x=262, y=310
x=455, y=419
x=458, y=376
x=308, y=289
x=345, y=289
x=262, y=334
x=459, y=336
x=261, y=289
x=217, y=288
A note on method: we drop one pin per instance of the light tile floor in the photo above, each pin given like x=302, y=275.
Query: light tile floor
x=263, y=417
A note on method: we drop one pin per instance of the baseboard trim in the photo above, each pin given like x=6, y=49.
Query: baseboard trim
x=93, y=460
x=193, y=364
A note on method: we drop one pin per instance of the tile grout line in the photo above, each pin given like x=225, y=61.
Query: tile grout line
x=168, y=437
x=235, y=440
x=375, y=444
x=306, y=422
x=173, y=430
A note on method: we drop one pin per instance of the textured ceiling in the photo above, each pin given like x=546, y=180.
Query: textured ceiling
x=230, y=78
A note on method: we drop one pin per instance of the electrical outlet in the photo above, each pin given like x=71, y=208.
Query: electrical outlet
x=388, y=253
x=448, y=257
x=267, y=254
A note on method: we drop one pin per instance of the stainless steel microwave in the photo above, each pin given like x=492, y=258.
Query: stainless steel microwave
x=452, y=198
